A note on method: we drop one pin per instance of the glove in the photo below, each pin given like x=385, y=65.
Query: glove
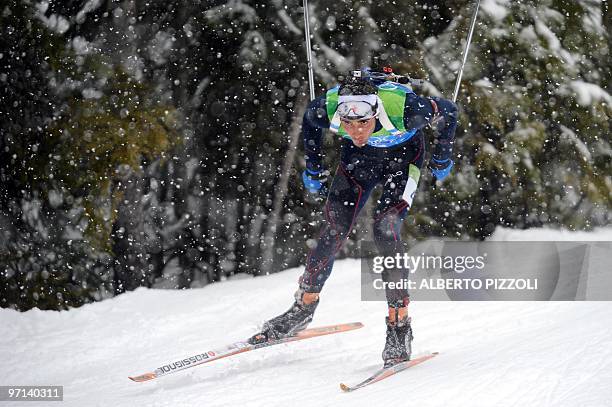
x=315, y=182
x=440, y=168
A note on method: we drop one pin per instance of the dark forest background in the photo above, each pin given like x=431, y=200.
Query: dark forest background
x=156, y=143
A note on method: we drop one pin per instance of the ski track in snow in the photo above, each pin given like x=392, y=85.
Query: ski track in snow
x=491, y=353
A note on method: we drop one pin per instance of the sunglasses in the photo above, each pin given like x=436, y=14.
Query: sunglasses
x=356, y=110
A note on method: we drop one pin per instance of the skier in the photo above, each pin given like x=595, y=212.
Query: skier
x=381, y=124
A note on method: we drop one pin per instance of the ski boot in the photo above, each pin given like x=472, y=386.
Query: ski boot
x=399, y=339
x=293, y=320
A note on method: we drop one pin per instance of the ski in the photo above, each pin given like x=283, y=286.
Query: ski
x=386, y=372
x=240, y=347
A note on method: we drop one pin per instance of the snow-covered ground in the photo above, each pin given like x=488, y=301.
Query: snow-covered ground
x=491, y=353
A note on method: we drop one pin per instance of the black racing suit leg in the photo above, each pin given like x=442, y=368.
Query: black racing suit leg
x=400, y=180
x=359, y=171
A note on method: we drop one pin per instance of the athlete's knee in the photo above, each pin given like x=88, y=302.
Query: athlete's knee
x=387, y=227
x=387, y=223
x=338, y=221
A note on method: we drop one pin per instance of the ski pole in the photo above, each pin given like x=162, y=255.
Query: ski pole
x=308, y=50
x=465, y=51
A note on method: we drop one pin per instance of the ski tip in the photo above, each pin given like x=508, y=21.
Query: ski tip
x=344, y=387
x=143, y=377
